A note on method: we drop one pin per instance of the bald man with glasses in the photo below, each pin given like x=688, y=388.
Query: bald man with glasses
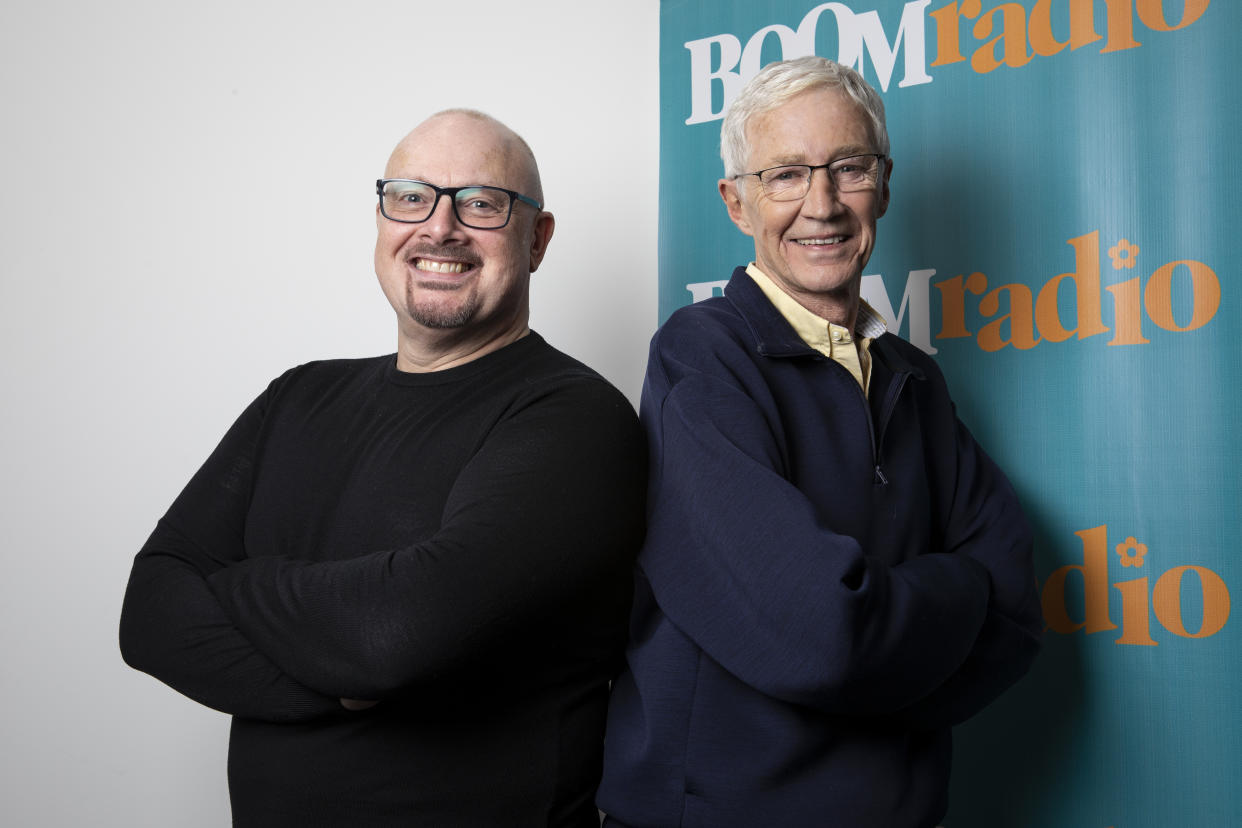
x=407, y=577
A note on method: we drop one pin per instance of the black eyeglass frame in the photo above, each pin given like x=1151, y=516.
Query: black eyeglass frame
x=878, y=156
x=452, y=192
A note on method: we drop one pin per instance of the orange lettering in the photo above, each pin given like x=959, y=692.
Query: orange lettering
x=1082, y=23
x=1127, y=314
x=1159, y=296
x=1134, y=609
x=1012, y=39
x=1167, y=601
x=1042, y=40
x=948, y=40
x=1120, y=27
x=1151, y=12
x=953, y=303
x=1086, y=278
x=1094, y=569
x=1021, y=318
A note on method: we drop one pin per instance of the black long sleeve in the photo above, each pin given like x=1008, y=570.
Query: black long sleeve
x=457, y=545
x=529, y=523
x=173, y=627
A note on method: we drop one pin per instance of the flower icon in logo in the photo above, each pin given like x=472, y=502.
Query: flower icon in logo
x=1123, y=254
x=1131, y=552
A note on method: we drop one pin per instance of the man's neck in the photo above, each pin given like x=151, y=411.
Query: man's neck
x=840, y=307
x=423, y=350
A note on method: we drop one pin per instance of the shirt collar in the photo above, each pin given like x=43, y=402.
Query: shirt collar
x=812, y=329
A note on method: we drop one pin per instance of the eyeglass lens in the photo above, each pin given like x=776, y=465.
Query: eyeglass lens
x=848, y=175
x=482, y=207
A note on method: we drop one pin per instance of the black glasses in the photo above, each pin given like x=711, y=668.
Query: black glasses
x=793, y=181
x=480, y=207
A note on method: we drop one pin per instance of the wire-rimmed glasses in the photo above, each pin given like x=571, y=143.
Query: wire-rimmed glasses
x=790, y=182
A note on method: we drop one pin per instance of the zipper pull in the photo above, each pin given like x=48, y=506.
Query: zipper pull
x=880, y=479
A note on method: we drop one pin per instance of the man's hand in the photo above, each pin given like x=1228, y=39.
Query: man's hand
x=357, y=704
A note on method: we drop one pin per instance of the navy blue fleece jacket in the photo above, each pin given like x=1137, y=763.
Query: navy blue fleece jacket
x=829, y=583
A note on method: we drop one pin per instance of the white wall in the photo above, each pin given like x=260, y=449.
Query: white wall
x=152, y=282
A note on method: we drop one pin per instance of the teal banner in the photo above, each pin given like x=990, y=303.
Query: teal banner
x=1066, y=174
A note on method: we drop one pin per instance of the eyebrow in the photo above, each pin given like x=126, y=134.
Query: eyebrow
x=841, y=152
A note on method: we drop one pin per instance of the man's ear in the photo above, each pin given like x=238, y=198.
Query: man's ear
x=733, y=203
x=545, y=223
x=884, y=194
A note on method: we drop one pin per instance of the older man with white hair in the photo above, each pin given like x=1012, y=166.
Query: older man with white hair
x=835, y=573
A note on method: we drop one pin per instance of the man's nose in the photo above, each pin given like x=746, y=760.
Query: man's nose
x=822, y=198
x=443, y=221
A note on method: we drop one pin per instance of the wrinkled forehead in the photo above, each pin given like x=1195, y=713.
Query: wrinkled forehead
x=452, y=150
x=818, y=122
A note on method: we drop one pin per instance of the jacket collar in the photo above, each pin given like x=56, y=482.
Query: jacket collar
x=775, y=337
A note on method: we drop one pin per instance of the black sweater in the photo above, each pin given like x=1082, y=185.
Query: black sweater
x=456, y=545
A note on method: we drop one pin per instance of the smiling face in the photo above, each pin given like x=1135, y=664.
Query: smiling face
x=448, y=282
x=813, y=249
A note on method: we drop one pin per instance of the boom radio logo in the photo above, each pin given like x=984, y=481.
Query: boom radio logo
x=1110, y=293
x=1006, y=35
x=1178, y=296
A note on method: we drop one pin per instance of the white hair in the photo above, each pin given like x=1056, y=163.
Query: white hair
x=776, y=84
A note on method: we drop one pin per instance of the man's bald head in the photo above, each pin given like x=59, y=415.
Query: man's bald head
x=514, y=154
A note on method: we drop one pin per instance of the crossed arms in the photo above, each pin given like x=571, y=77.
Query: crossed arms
x=543, y=513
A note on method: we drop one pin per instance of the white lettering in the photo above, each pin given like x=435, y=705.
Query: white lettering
x=867, y=32
x=706, y=290
x=917, y=298
x=702, y=75
x=859, y=35
x=792, y=46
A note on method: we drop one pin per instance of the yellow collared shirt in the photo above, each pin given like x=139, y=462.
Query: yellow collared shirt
x=833, y=341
